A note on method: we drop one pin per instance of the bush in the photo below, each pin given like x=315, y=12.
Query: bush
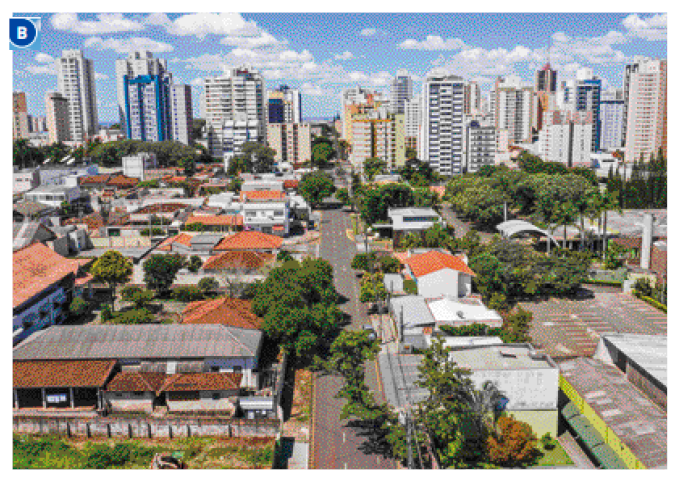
x=284, y=256
x=132, y=317
x=548, y=442
x=106, y=314
x=651, y=301
x=188, y=293
x=410, y=287
x=643, y=286
x=152, y=232
x=208, y=285
x=195, y=264
x=78, y=306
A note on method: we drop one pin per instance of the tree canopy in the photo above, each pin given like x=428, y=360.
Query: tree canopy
x=315, y=187
x=160, y=271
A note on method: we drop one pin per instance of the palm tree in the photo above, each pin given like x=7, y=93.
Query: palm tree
x=609, y=201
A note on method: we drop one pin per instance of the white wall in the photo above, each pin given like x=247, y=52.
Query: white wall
x=530, y=389
x=124, y=401
x=440, y=283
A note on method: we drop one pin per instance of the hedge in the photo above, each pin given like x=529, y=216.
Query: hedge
x=410, y=287
x=603, y=282
x=651, y=301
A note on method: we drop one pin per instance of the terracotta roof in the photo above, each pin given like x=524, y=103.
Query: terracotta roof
x=61, y=373
x=223, y=311
x=238, y=259
x=122, y=181
x=37, y=267
x=181, y=238
x=291, y=184
x=137, y=382
x=84, y=280
x=219, y=220
x=440, y=190
x=246, y=240
x=426, y=263
x=98, y=179
x=93, y=221
x=260, y=195
x=184, y=382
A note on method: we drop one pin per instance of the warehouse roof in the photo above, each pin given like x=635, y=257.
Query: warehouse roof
x=143, y=341
x=648, y=351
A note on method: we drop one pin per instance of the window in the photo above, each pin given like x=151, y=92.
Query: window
x=238, y=369
x=214, y=369
x=139, y=394
x=216, y=396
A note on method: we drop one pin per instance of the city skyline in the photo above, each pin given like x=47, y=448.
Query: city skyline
x=361, y=49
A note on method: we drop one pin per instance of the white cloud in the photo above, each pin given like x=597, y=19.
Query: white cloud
x=197, y=82
x=202, y=24
x=43, y=58
x=99, y=76
x=346, y=55
x=313, y=90
x=369, y=32
x=46, y=69
x=651, y=28
x=126, y=45
x=432, y=42
x=104, y=23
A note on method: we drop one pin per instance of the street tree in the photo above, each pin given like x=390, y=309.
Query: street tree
x=160, y=271
x=113, y=269
x=315, y=187
x=374, y=166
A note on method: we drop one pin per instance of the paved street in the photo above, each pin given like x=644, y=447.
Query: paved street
x=334, y=445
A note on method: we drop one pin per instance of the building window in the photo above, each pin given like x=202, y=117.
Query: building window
x=216, y=396
x=238, y=369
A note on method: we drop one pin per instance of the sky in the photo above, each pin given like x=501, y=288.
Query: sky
x=321, y=54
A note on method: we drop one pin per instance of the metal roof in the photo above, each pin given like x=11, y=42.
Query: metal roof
x=505, y=356
x=648, y=351
x=414, y=310
x=516, y=226
x=144, y=341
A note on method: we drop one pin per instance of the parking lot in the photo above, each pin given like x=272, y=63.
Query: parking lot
x=571, y=328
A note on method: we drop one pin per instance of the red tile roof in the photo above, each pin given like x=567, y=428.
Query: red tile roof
x=291, y=184
x=262, y=195
x=98, y=179
x=185, y=382
x=137, y=382
x=61, y=373
x=426, y=263
x=219, y=220
x=238, y=259
x=222, y=311
x=122, y=180
x=246, y=240
x=35, y=268
x=181, y=238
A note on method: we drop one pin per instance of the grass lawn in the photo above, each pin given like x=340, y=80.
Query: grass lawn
x=556, y=456
x=51, y=452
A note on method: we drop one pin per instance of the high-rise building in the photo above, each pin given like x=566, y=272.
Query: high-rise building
x=566, y=137
x=412, y=120
x=612, y=106
x=235, y=107
x=472, y=99
x=583, y=94
x=137, y=64
x=442, y=127
x=402, y=91
x=20, y=129
x=646, y=110
x=546, y=79
x=292, y=142
x=378, y=134
x=181, y=108
x=37, y=123
x=75, y=80
x=357, y=100
x=58, y=124
x=513, y=107
x=480, y=145
x=148, y=107
x=284, y=105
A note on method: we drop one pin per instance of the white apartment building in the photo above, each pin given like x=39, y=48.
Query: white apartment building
x=75, y=80
x=566, y=137
x=267, y=217
x=612, y=107
x=480, y=145
x=58, y=126
x=412, y=119
x=181, y=109
x=20, y=127
x=583, y=94
x=472, y=99
x=402, y=91
x=292, y=142
x=513, y=107
x=645, y=97
x=235, y=108
x=136, y=165
x=442, y=127
x=378, y=134
x=136, y=64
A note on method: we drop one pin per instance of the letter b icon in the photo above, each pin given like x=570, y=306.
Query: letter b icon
x=22, y=33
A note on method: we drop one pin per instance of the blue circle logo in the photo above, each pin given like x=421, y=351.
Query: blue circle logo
x=22, y=32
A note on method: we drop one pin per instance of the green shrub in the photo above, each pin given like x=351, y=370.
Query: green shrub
x=651, y=301
x=106, y=314
x=410, y=287
x=548, y=442
x=195, y=264
x=604, y=282
x=188, y=293
x=132, y=317
x=208, y=285
x=78, y=306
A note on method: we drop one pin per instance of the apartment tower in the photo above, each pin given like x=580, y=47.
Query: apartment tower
x=75, y=80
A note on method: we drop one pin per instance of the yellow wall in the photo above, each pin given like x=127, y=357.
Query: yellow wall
x=600, y=425
x=541, y=421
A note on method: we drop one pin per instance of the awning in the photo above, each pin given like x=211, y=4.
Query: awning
x=608, y=458
x=586, y=431
x=570, y=411
x=256, y=403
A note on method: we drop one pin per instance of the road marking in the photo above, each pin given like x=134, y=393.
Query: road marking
x=344, y=437
x=345, y=465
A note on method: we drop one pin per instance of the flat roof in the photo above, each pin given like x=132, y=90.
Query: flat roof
x=505, y=356
x=648, y=351
x=640, y=424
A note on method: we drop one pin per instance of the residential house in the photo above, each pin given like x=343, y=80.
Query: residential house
x=33, y=211
x=25, y=180
x=410, y=220
x=220, y=223
x=439, y=274
x=270, y=217
x=247, y=262
x=250, y=241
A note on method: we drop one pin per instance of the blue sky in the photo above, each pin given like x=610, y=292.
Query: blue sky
x=323, y=53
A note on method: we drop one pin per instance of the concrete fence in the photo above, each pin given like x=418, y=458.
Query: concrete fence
x=146, y=427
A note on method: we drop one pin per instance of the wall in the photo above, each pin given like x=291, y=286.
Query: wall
x=145, y=427
x=528, y=389
x=128, y=401
x=442, y=282
x=205, y=402
x=32, y=313
x=541, y=421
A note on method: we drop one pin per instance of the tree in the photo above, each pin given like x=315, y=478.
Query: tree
x=389, y=264
x=322, y=152
x=235, y=278
x=514, y=444
x=373, y=202
x=372, y=288
x=78, y=306
x=315, y=187
x=411, y=153
x=195, y=264
x=137, y=296
x=260, y=156
x=373, y=166
x=363, y=261
x=343, y=196
x=113, y=269
x=160, y=271
x=208, y=285
x=284, y=256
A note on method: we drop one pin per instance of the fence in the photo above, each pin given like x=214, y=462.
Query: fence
x=146, y=427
